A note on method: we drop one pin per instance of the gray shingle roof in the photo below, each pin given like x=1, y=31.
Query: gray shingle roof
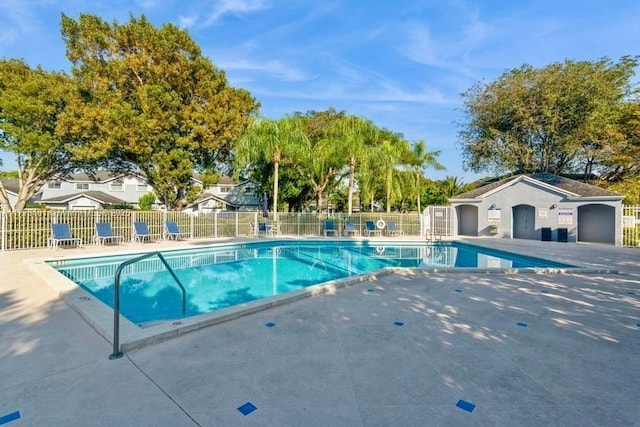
x=11, y=184
x=101, y=197
x=580, y=188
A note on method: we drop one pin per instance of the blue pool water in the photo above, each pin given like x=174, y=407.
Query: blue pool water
x=220, y=277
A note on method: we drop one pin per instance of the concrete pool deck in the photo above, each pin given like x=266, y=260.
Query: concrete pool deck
x=414, y=349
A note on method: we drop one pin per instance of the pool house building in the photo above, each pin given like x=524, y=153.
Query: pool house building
x=539, y=206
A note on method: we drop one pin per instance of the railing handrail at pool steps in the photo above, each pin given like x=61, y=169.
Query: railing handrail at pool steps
x=117, y=354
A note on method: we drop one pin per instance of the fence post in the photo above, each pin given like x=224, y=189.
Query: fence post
x=215, y=225
x=4, y=231
x=133, y=219
x=191, y=224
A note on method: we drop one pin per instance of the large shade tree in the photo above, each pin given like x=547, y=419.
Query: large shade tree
x=150, y=101
x=557, y=119
x=31, y=101
x=620, y=165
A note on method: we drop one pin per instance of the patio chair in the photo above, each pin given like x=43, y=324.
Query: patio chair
x=61, y=233
x=141, y=232
x=371, y=229
x=273, y=229
x=263, y=230
x=172, y=231
x=104, y=234
x=330, y=227
x=393, y=230
x=350, y=229
x=252, y=229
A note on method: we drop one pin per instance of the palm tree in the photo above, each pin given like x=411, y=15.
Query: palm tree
x=320, y=155
x=366, y=181
x=420, y=158
x=356, y=134
x=267, y=141
x=452, y=186
x=390, y=155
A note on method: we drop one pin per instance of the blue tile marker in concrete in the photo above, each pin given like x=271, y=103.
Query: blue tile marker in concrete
x=10, y=417
x=270, y=325
x=247, y=408
x=458, y=290
x=522, y=324
x=398, y=323
x=464, y=405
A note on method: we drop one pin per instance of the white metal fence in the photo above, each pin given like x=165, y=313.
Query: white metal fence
x=631, y=226
x=32, y=229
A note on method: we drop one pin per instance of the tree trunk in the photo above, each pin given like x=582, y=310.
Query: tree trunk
x=4, y=199
x=318, y=202
x=352, y=172
x=28, y=188
x=389, y=182
x=276, y=165
x=418, y=187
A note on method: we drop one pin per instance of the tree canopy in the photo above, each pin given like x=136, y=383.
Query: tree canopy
x=31, y=102
x=149, y=101
x=318, y=149
x=562, y=118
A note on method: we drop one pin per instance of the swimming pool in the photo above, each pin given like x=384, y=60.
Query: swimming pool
x=220, y=277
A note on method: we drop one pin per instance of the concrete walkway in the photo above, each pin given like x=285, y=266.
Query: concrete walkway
x=406, y=350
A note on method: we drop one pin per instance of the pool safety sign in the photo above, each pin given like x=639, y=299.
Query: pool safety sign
x=565, y=216
x=493, y=216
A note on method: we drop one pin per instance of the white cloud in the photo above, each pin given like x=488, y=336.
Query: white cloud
x=15, y=19
x=149, y=4
x=272, y=67
x=187, y=21
x=234, y=7
x=8, y=35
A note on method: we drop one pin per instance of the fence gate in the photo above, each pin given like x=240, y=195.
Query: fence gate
x=437, y=219
x=631, y=226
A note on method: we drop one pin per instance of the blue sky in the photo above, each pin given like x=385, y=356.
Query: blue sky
x=402, y=63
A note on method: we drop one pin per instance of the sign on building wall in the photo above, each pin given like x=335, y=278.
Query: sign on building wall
x=543, y=213
x=493, y=216
x=565, y=216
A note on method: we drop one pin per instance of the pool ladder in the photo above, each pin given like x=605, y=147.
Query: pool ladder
x=117, y=354
x=432, y=236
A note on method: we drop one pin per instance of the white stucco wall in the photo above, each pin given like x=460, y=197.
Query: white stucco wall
x=552, y=208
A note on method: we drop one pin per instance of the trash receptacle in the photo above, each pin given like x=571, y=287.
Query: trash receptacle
x=546, y=234
x=563, y=235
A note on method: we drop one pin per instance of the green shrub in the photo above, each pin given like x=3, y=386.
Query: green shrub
x=146, y=201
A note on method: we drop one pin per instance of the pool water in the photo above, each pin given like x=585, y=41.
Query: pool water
x=220, y=277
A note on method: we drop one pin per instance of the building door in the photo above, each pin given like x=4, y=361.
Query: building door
x=597, y=224
x=524, y=222
x=467, y=220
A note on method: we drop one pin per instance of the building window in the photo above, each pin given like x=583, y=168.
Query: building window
x=117, y=185
x=142, y=187
x=82, y=185
x=225, y=189
x=54, y=185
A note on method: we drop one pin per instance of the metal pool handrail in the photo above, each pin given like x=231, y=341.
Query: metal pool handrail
x=117, y=354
